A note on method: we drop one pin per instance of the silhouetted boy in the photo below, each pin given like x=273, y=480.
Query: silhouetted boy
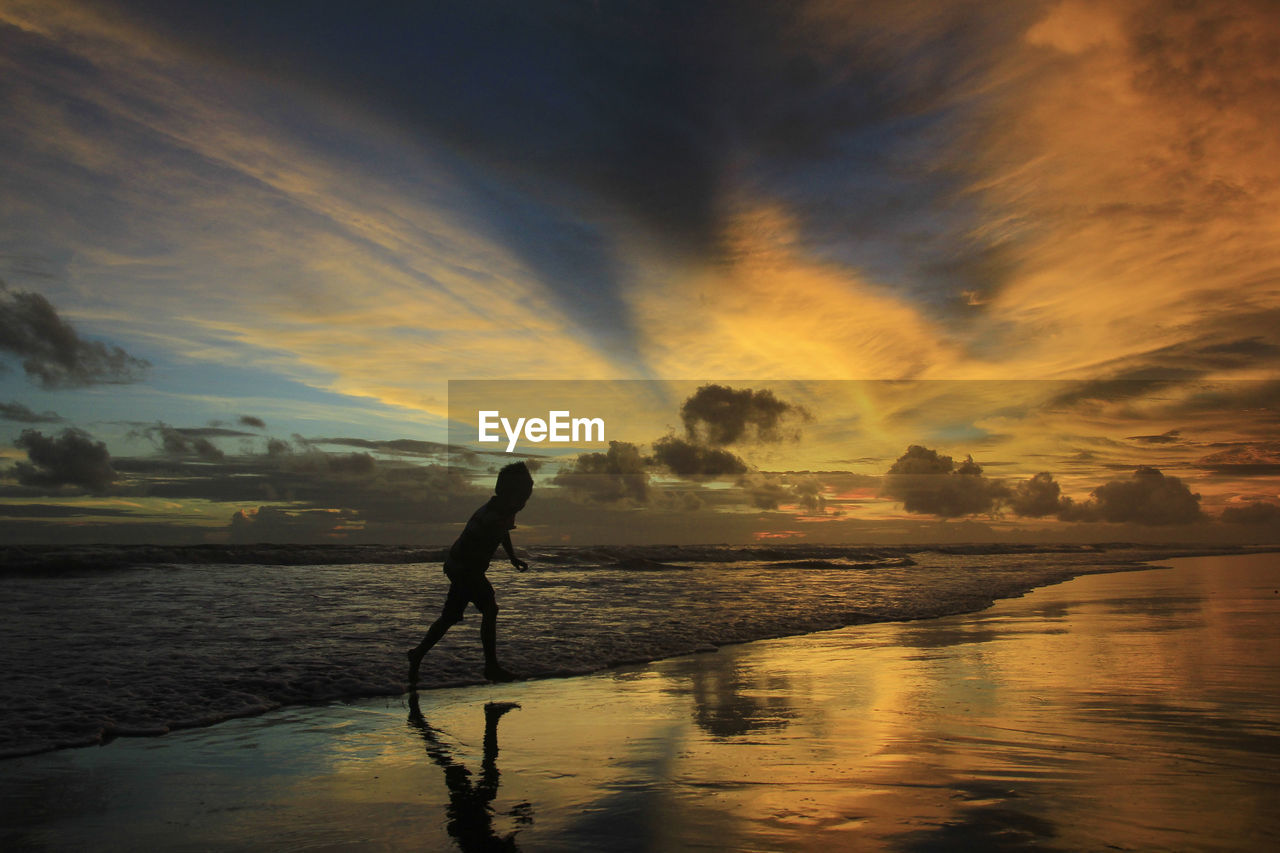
x=467, y=562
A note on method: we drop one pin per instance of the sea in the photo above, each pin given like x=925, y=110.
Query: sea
x=103, y=642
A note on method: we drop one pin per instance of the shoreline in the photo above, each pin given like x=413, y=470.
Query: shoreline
x=113, y=733
x=52, y=560
x=1135, y=709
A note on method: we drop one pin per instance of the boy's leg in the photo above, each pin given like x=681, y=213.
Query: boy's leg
x=488, y=604
x=489, y=635
x=454, y=606
x=415, y=655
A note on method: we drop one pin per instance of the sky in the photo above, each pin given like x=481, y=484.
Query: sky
x=838, y=272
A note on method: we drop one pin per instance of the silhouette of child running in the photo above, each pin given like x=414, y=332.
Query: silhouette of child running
x=467, y=562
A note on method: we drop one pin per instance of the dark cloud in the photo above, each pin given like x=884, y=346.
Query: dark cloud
x=1188, y=368
x=694, y=461
x=294, y=472
x=1130, y=385
x=1036, y=497
x=189, y=441
x=928, y=482
x=179, y=442
x=22, y=414
x=70, y=459
x=402, y=446
x=213, y=432
x=53, y=354
x=1173, y=436
x=768, y=490
x=32, y=510
x=719, y=415
x=1148, y=498
x=176, y=444
x=251, y=421
x=1249, y=460
x=274, y=524
x=765, y=491
x=1248, y=404
x=1243, y=352
x=315, y=462
x=278, y=447
x=808, y=492
x=1255, y=513
x=616, y=477
x=351, y=464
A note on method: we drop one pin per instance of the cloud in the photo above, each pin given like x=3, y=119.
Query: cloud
x=616, y=477
x=278, y=447
x=311, y=461
x=20, y=413
x=53, y=353
x=59, y=511
x=1129, y=385
x=720, y=415
x=928, y=482
x=1148, y=498
x=809, y=492
x=190, y=467
x=764, y=490
x=71, y=459
x=175, y=180
x=1173, y=436
x=189, y=441
x=1128, y=152
x=771, y=491
x=1255, y=513
x=401, y=446
x=251, y=421
x=1249, y=460
x=274, y=524
x=351, y=464
x=694, y=461
x=1036, y=497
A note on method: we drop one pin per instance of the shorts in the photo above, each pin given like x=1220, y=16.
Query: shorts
x=467, y=589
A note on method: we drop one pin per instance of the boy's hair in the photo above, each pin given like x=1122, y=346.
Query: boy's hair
x=514, y=479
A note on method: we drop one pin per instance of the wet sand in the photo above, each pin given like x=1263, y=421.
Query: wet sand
x=1130, y=711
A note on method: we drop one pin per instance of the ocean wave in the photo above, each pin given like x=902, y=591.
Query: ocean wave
x=152, y=648
x=57, y=559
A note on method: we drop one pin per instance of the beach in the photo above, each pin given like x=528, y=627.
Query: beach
x=1135, y=710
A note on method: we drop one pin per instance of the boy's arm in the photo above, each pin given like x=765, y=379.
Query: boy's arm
x=520, y=564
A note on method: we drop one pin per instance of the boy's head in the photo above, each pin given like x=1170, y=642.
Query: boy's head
x=514, y=486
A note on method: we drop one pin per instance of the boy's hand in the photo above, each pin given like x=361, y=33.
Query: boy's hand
x=520, y=565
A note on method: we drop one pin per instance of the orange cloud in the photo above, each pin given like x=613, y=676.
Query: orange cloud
x=1130, y=151
x=768, y=310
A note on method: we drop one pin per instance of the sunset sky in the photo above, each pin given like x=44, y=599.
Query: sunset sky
x=246, y=246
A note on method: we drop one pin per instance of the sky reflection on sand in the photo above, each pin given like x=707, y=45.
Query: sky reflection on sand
x=1138, y=710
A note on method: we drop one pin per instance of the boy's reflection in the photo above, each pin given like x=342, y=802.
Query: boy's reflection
x=470, y=813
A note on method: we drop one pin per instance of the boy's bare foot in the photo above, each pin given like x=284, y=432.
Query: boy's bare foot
x=494, y=672
x=415, y=661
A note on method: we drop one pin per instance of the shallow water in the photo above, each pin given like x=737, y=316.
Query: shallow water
x=93, y=654
x=1132, y=711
